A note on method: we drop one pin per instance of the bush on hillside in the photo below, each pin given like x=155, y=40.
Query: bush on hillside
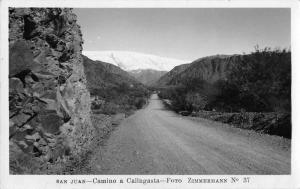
x=261, y=82
x=119, y=99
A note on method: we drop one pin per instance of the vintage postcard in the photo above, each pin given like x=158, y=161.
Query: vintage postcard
x=149, y=94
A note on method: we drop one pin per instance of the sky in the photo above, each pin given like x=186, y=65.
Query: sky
x=184, y=33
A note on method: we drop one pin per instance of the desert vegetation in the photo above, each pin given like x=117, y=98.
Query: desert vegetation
x=256, y=82
x=259, y=82
x=112, y=89
x=118, y=99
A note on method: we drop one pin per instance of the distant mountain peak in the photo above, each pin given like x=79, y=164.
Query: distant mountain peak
x=147, y=76
x=134, y=61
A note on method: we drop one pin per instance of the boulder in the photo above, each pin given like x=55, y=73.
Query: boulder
x=20, y=119
x=16, y=85
x=50, y=121
x=20, y=59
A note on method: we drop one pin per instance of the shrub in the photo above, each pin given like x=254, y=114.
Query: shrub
x=195, y=101
x=264, y=80
x=139, y=103
x=259, y=82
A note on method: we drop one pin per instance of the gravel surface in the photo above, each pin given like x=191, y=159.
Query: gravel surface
x=157, y=141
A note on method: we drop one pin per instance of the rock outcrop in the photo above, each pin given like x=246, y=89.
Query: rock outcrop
x=49, y=104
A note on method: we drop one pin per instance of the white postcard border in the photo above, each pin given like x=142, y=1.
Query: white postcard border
x=256, y=181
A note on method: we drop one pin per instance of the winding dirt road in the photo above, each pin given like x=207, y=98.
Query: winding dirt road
x=157, y=141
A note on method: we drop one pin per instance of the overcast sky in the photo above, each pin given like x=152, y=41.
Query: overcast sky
x=185, y=34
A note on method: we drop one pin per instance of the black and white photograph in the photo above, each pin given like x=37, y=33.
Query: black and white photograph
x=143, y=91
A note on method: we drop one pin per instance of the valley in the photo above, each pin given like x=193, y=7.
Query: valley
x=148, y=77
x=73, y=111
x=157, y=141
x=112, y=89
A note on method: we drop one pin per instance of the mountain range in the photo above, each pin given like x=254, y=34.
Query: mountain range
x=145, y=68
x=147, y=76
x=129, y=61
x=151, y=70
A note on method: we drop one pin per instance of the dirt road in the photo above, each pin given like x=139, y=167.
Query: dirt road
x=157, y=141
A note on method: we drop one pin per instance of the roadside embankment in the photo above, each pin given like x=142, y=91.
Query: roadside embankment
x=104, y=125
x=272, y=123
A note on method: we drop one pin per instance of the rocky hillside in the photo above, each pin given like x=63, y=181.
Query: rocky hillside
x=257, y=84
x=102, y=75
x=210, y=69
x=147, y=76
x=113, y=89
x=166, y=78
x=49, y=104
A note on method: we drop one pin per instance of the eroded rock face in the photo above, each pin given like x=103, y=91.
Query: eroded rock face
x=49, y=104
x=209, y=69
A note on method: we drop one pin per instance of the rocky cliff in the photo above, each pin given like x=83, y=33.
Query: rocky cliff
x=49, y=104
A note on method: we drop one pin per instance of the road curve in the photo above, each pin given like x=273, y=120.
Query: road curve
x=157, y=141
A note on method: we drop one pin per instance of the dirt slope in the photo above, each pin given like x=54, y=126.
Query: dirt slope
x=157, y=141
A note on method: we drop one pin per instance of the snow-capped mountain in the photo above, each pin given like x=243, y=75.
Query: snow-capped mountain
x=147, y=76
x=134, y=61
